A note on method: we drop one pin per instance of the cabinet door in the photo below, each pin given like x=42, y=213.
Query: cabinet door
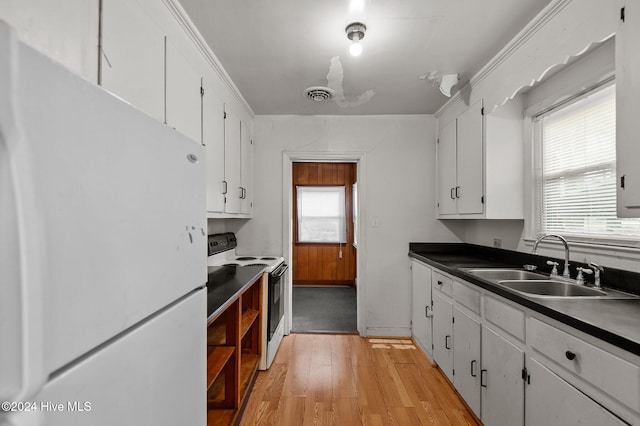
x=466, y=358
x=132, y=64
x=213, y=138
x=470, y=160
x=627, y=107
x=232, y=161
x=246, y=169
x=421, y=312
x=443, y=334
x=552, y=401
x=502, y=387
x=184, y=100
x=447, y=169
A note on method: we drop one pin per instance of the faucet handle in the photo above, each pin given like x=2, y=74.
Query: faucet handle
x=598, y=270
x=554, y=271
x=580, y=277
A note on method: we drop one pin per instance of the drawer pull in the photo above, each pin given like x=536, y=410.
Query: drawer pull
x=446, y=342
x=473, y=368
x=483, y=378
x=570, y=355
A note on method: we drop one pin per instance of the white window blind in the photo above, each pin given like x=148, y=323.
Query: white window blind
x=577, y=170
x=321, y=214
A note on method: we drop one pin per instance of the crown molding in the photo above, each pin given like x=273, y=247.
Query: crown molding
x=535, y=25
x=178, y=12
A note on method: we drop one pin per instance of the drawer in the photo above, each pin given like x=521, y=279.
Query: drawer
x=466, y=296
x=442, y=283
x=614, y=376
x=505, y=316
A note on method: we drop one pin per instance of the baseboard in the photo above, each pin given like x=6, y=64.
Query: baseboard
x=388, y=332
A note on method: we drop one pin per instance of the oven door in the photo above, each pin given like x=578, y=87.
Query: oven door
x=276, y=299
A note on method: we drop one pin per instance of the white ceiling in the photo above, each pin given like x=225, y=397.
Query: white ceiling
x=274, y=49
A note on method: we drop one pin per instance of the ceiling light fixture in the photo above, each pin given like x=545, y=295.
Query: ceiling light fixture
x=355, y=33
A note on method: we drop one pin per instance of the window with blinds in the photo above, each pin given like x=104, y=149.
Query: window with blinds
x=576, y=170
x=321, y=214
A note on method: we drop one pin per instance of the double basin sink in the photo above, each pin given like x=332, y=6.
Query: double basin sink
x=537, y=285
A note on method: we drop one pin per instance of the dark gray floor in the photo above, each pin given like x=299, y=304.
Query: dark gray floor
x=324, y=309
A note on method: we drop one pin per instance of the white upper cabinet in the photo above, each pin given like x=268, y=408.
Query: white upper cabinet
x=480, y=164
x=447, y=181
x=232, y=159
x=469, y=188
x=246, y=169
x=213, y=139
x=132, y=56
x=183, y=91
x=627, y=107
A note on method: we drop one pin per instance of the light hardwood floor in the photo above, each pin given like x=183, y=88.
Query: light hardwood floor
x=320, y=379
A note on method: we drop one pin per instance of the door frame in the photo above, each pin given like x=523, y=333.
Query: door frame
x=359, y=158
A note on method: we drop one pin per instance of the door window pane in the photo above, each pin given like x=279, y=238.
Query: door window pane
x=321, y=214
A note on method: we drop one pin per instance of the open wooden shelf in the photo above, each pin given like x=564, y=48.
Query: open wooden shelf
x=235, y=346
x=217, y=334
x=248, y=318
x=217, y=358
x=248, y=370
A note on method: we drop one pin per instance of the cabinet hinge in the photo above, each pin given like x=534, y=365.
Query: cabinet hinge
x=438, y=140
x=201, y=91
x=225, y=114
x=438, y=205
x=526, y=376
x=482, y=200
x=453, y=372
x=482, y=111
x=251, y=141
x=622, y=181
x=453, y=320
x=622, y=14
x=432, y=347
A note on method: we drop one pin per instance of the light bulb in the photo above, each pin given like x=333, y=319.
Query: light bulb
x=356, y=48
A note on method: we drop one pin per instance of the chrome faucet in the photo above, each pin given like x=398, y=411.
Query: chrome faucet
x=565, y=272
x=598, y=270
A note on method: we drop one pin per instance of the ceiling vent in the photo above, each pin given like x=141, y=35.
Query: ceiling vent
x=319, y=93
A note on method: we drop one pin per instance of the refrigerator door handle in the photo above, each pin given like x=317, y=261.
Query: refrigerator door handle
x=22, y=261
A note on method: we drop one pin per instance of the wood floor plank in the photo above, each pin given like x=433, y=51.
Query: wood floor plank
x=347, y=380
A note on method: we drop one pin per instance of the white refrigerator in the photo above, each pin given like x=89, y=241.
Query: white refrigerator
x=102, y=255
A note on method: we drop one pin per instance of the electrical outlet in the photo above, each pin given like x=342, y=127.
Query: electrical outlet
x=497, y=242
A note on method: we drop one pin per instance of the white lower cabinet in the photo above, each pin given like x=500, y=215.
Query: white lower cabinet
x=553, y=401
x=514, y=368
x=502, y=385
x=466, y=358
x=421, y=313
x=443, y=333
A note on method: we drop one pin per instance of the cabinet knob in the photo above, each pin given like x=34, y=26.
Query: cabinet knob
x=439, y=282
x=570, y=355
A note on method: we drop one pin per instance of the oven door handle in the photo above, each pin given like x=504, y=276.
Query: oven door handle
x=280, y=271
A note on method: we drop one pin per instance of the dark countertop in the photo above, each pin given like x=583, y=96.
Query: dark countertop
x=614, y=321
x=226, y=283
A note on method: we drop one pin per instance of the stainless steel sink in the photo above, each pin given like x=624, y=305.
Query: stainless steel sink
x=506, y=274
x=559, y=290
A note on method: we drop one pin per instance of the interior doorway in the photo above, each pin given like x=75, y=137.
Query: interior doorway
x=324, y=250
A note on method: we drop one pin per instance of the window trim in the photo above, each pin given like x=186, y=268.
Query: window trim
x=534, y=129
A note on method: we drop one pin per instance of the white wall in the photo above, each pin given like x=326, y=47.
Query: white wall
x=399, y=185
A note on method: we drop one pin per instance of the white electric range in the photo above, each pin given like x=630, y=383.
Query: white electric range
x=222, y=252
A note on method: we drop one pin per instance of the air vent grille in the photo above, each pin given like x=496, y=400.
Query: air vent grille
x=319, y=93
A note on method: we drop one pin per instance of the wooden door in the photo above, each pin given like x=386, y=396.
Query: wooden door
x=324, y=263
